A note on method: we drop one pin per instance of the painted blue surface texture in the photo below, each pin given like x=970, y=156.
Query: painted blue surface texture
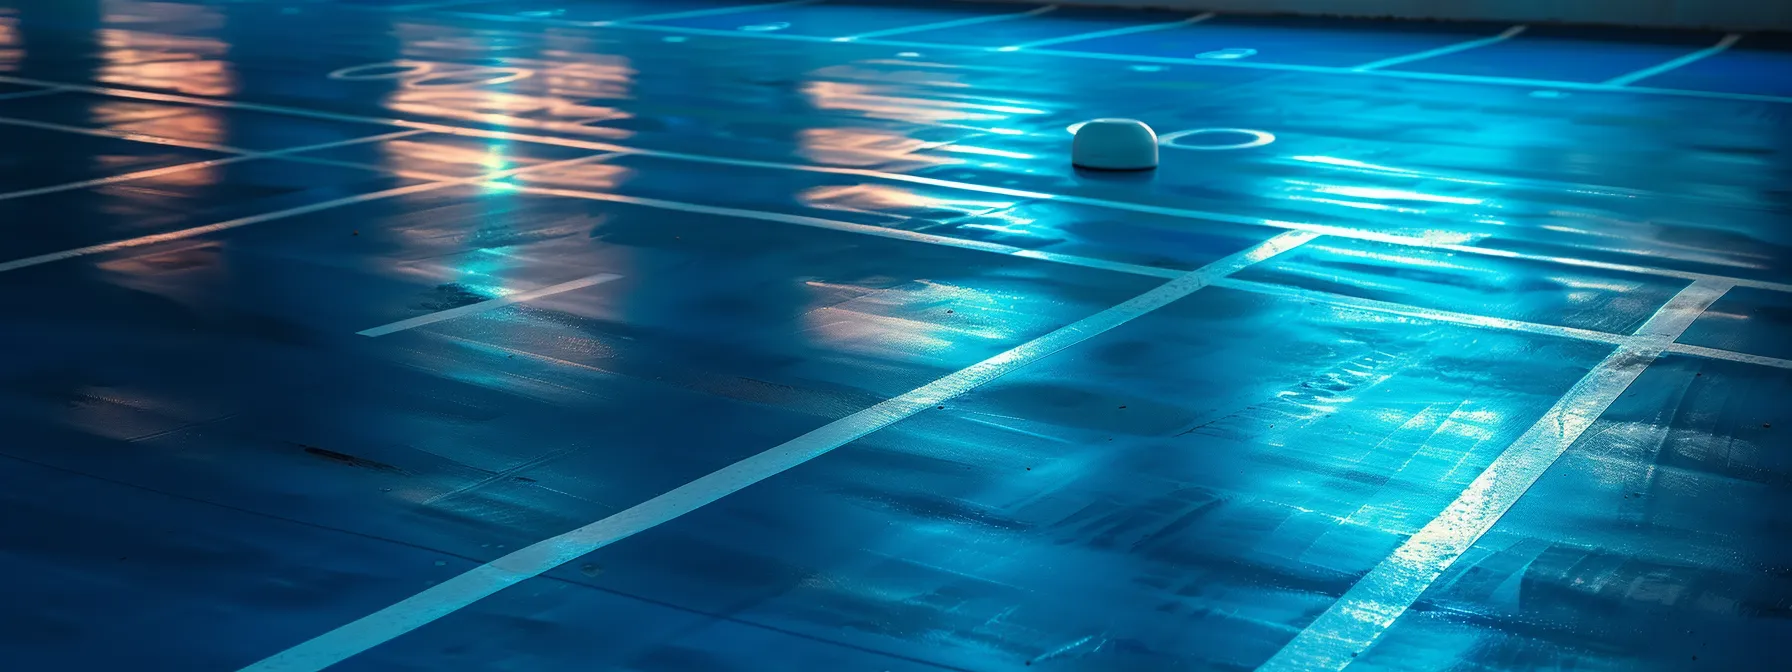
x=638, y=244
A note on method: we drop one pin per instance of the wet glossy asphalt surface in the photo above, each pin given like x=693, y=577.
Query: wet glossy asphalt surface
x=208, y=461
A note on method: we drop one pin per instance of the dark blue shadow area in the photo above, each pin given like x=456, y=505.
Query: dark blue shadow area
x=1748, y=320
x=1289, y=40
x=1651, y=545
x=1576, y=54
x=1758, y=64
x=227, y=371
x=40, y=158
x=1059, y=23
x=842, y=19
x=115, y=569
x=1090, y=512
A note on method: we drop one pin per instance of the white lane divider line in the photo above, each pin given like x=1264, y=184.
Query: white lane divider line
x=695, y=13
x=458, y=592
x=152, y=239
x=940, y=25
x=1683, y=61
x=488, y=305
x=1353, y=623
x=1508, y=34
x=32, y=94
x=197, y=165
x=1326, y=230
x=1130, y=30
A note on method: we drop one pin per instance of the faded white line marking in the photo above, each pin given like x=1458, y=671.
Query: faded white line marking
x=197, y=165
x=1683, y=61
x=719, y=11
x=1714, y=353
x=492, y=304
x=152, y=239
x=1508, y=34
x=939, y=25
x=1369, y=608
x=1340, y=232
x=456, y=593
x=1109, y=33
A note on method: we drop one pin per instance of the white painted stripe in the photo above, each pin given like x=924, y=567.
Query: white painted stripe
x=1431, y=314
x=1129, y=58
x=1683, y=61
x=196, y=165
x=1500, y=324
x=1356, y=620
x=483, y=306
x=1335, y=231
x=456, y=593
x=1441, y=51
x=31, y=94
x=719, y=11
x=1714, y=353
x=152, y=239
x=1130, y=30
x=939, y=25
x=427, y=6
x=122, y=135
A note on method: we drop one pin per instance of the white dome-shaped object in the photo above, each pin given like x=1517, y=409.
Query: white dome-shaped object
x=1114, y=144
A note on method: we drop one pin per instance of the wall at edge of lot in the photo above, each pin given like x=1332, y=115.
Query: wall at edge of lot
x=1721, y=14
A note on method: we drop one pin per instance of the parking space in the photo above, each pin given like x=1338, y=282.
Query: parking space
x=1529, y=291
x=1756, y=65
x=1661, y=563
x=1062, y=23
x=762, y=329
x=609, y=10
x=1750, y=321
x=79, y=158
x=794, y=354
x=1089, y=513
x=839, y=19
x=1285, y=40
x=1563, y=54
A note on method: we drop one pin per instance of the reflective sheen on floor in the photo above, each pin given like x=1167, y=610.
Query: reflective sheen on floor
x=1475, y=351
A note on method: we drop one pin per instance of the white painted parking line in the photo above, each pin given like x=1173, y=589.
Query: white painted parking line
x=153, y=239
x=484, y=306
x=31, y=94
x=196, y=165
x=1353, y=623
x=1683, y=61
x=1127, y=206
x=1509, y=33
x=938, y=25
x=1135, y=59
x=458, y=592
x=1714, y=353
x=1131, y=30
x=719, y=11
x=427, y=6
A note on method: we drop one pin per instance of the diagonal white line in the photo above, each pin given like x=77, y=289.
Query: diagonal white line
x=1109, y=33
x=152, y=239
x=1508, y=34
x=1353, y=623
x=719, y=11
x=938, y=25
x=196, y=165
x=456, y=593
x=1683, y=61
x=483, y=306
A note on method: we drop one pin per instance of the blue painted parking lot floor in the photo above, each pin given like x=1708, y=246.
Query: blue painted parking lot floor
x=676, y=335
